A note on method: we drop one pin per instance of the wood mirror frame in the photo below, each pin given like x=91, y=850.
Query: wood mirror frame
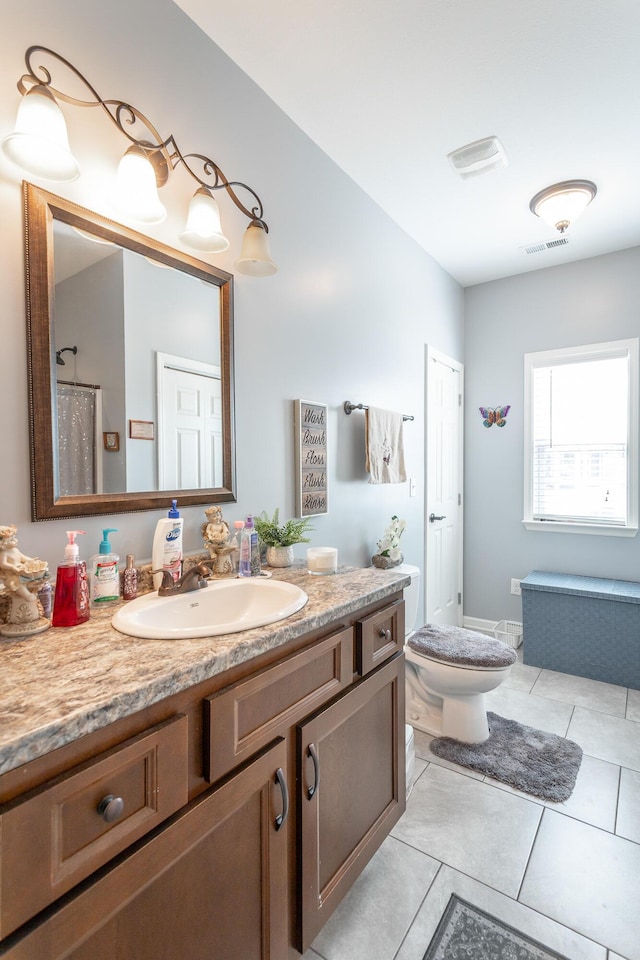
x=40, y=210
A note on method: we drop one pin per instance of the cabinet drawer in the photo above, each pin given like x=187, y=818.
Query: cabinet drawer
x=244, y=718
x=58, y=834
x=379, y=637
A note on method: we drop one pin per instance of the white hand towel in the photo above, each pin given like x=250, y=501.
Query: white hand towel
x=384, y=446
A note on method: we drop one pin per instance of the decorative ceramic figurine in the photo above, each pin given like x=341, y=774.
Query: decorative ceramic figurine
x=216, y=537
x=21, y=577
x=389, y=554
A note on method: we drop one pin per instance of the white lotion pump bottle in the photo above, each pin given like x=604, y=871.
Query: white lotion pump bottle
x=166, y=553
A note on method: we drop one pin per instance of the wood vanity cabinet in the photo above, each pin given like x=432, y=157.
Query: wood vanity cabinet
x=284, y=778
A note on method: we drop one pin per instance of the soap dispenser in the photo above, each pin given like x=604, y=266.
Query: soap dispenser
x=166, y=553
x=104, y=578
x=71, y=603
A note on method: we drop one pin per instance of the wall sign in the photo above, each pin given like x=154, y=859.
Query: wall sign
x=141, y=429
x=311, y=458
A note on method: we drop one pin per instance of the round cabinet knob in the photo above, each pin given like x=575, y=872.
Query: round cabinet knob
x=110, y=808
x=385, y=634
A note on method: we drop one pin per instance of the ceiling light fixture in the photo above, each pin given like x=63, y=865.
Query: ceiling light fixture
x=562, y=203
x=39, y=144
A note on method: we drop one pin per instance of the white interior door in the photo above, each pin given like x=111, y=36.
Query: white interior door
x=443, y=495
x=189, y=424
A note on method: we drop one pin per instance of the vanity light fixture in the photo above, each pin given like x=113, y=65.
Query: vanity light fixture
x=39, y=144
x=562, y=203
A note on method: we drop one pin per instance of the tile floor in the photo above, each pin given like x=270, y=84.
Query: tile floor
x=566, y=874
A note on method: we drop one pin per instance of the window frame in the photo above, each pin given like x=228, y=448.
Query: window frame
x=614, y=348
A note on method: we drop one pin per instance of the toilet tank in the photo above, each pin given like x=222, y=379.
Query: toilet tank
x=411, y=596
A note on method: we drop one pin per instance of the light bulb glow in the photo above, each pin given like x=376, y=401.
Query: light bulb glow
x=39, y=143
x=203, y=230
x=136, y=189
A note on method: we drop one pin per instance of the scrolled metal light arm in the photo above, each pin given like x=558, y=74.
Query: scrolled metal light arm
x=164, y=153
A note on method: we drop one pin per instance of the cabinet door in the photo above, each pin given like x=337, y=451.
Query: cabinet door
x=351, y=790
x=212, y=885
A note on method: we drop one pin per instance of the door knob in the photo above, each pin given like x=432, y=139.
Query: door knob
x=433, y=518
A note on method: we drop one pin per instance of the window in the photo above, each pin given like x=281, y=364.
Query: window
x=581, y=439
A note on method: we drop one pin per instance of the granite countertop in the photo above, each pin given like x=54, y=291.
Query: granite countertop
x=64, y=683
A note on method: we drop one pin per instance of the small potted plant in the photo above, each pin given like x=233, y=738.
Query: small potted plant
x=389, y=554
x=280, y=538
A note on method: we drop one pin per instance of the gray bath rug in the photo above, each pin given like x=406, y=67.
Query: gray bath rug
x=542, y=764
x=467, y=933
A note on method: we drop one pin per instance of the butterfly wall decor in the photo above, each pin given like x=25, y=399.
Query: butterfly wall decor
x=497, y=415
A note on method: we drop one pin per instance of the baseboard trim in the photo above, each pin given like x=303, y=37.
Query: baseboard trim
x=482, y=626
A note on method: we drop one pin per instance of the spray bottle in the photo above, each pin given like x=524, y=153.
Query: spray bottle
x=71, y=604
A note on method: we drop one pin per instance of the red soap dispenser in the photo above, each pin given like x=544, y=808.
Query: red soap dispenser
x=71, y=603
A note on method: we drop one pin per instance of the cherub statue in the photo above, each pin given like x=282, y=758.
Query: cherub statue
x=216, y=536
x=21, y=577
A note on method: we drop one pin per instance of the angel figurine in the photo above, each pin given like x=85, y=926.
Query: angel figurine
x=217, y=539
x=21, y=578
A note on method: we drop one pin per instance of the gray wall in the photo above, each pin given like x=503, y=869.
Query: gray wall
x=346, y=317
x=584, y=302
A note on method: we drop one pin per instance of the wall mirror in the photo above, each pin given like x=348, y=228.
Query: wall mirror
x=130, y=350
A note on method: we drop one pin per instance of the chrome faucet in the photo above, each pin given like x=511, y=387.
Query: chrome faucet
x=193, y=579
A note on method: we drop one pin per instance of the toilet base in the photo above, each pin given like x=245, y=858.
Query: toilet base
x=460, y=716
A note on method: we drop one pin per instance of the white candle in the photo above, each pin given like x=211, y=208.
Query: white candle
x=322, y=560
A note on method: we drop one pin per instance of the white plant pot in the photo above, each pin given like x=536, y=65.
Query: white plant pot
x=279, y=556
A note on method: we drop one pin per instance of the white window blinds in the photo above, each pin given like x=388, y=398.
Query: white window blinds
x=580, y=431
x=581, y=439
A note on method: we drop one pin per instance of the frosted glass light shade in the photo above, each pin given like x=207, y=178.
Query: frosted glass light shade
x=255, y=256
x=39, y=143
x=203, y=230
x=562, y=203
x=136, y=188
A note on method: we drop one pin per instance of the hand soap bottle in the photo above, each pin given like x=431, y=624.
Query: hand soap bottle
x=166, y=553
x=256, y=568
x=104, y=578
x=71, y=603
x=244, y=561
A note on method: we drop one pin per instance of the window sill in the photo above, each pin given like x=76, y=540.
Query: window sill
x=552, y=526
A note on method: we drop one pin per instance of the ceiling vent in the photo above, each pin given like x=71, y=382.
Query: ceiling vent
x=545, y=245
x=478, y=157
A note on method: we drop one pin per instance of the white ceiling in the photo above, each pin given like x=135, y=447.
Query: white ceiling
x=387, y=88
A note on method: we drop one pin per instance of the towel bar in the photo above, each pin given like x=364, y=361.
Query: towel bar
x=350, y=407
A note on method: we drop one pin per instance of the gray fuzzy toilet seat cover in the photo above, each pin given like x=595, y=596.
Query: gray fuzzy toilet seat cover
x=457, y=645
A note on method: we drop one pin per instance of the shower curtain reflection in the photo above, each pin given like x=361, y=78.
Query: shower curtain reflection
x=79, y=453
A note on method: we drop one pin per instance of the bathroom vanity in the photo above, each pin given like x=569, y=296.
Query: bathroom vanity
x=199, y=798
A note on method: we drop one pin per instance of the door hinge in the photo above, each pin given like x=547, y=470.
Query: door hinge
x=459, y=499
x=459, y=399
x=459, y=599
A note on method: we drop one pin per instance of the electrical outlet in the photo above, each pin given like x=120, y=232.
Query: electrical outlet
x=515, y=587
x=412, y=487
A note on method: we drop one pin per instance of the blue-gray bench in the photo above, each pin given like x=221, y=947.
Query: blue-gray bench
x=586, y=626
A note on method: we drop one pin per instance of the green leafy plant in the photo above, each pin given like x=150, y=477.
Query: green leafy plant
x=274, y=534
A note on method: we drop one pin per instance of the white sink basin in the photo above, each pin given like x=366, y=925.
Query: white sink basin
x=223, y=606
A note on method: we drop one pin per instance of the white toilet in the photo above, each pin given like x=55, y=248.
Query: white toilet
x=448, y=671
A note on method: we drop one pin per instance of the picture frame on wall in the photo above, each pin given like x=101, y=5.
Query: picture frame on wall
x=141, y=430
x=310, y=424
